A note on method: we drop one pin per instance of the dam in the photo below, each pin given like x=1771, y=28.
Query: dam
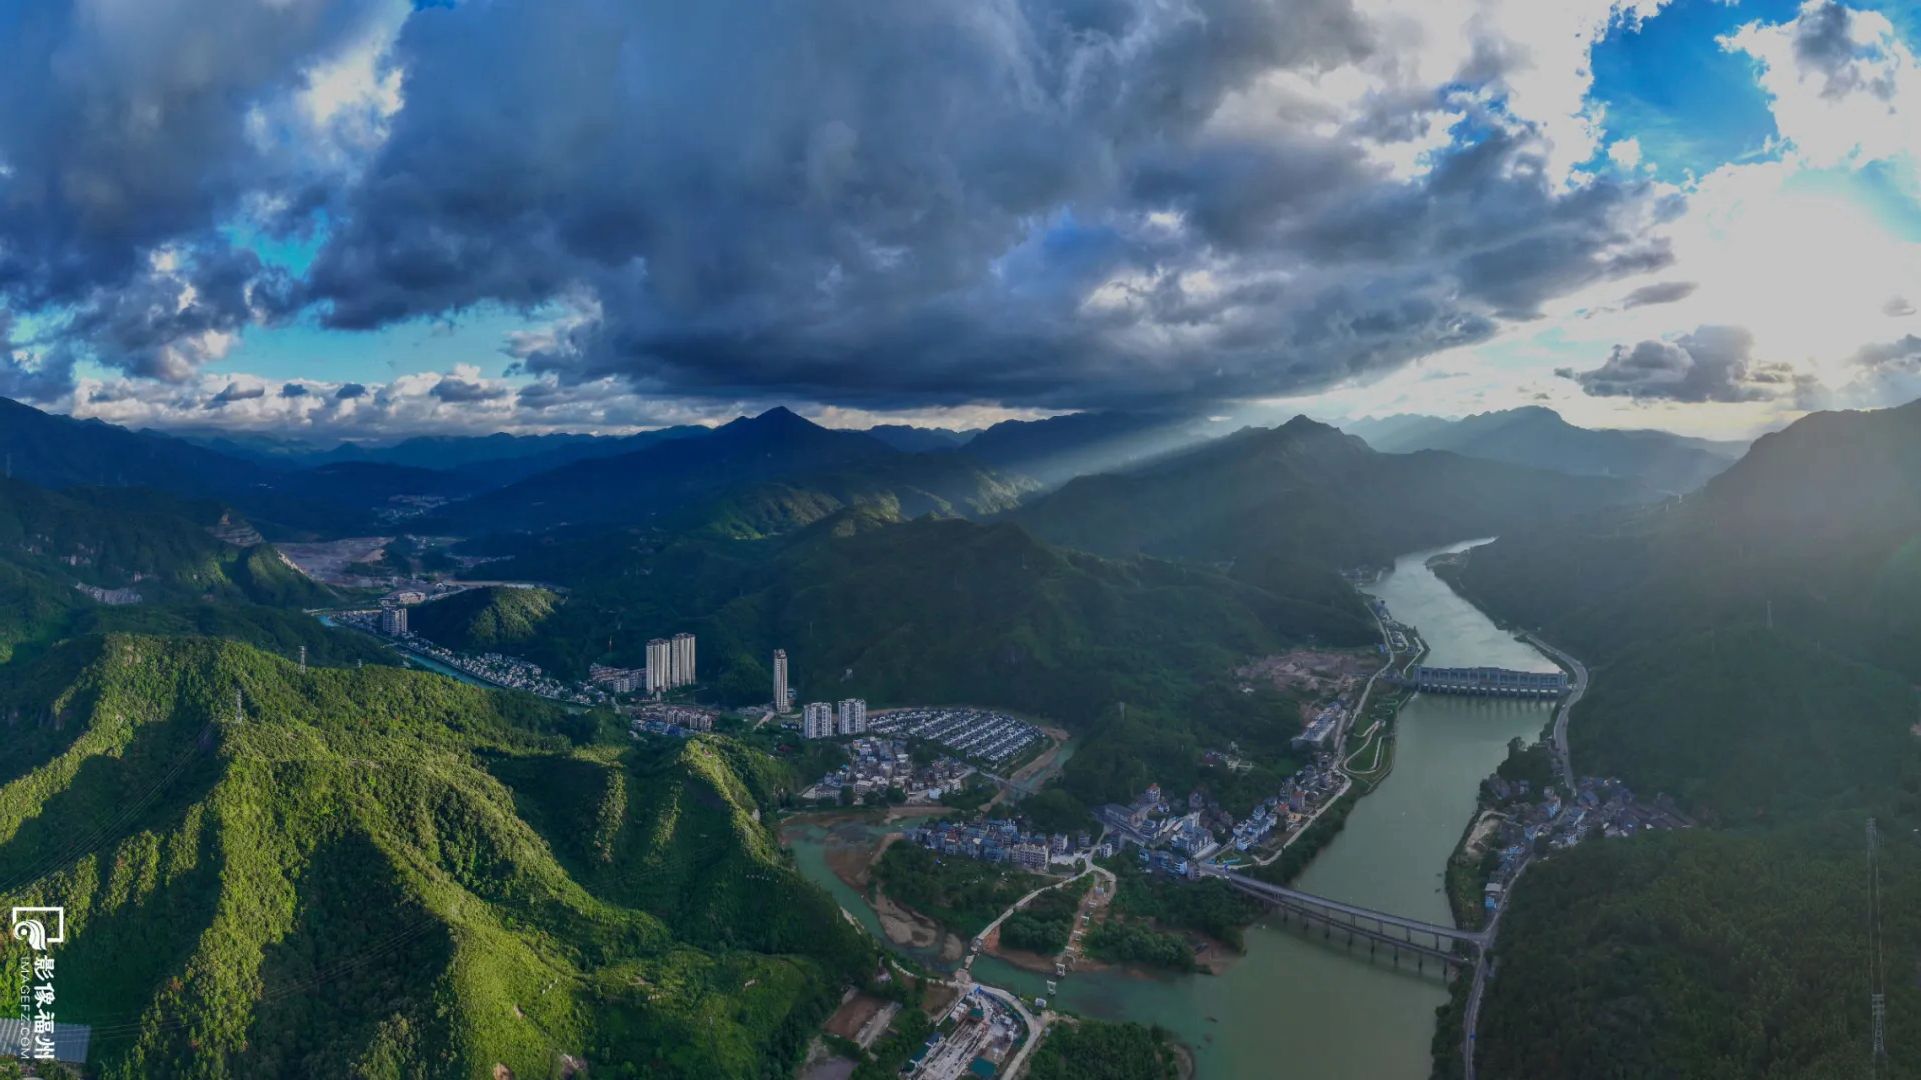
x=1488, y=682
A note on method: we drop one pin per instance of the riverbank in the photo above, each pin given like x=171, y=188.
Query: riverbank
x=1293, y=1000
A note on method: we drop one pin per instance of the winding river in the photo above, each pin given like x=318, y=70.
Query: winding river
x=1294, y=1005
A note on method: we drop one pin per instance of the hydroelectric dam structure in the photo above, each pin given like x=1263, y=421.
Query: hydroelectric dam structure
x=1487, y=682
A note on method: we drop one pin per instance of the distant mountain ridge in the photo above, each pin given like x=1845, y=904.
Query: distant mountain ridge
x=917, y=440
x=1541, y=438
x=1059, y=448
x=1816, y=527
x=778, y=446
x=1279, y=504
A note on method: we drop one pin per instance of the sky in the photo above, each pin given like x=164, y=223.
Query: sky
x=368, y=219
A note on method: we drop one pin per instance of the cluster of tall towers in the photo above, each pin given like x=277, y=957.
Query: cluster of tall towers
x=821, y=720
x=670, y=663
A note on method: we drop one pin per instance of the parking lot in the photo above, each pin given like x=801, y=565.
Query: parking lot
x=981, y=734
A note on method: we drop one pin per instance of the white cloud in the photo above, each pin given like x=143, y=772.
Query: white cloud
x=1842, y=84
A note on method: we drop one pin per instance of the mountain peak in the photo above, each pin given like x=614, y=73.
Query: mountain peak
x=781, y=414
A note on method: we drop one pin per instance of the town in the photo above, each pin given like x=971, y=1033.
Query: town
x=513, y=673
x=879, y=768
x=978, y=734
x=1002, y=840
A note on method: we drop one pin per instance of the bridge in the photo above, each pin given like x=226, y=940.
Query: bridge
x=1425, y=940
x=1488, y=682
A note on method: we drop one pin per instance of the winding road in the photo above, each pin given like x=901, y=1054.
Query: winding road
x=1562, y=762
x=1564, y=765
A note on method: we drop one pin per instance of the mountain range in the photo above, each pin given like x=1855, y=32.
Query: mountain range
x=1274, y=504
x=1540, y=438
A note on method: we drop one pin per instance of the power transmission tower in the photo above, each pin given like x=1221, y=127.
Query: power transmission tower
x=303, y=659
x=239, y=712
x=1877, y=979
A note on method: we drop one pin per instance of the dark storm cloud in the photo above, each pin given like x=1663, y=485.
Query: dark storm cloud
x=1714, y=363
x=460, y=391
x=155, y=323
x=956, y=208
x=1903, y=352
x=1034, y=203
x=23, y=377
x=1663, y=292
x=235, y=392
x=126, y=131
x=294, y=390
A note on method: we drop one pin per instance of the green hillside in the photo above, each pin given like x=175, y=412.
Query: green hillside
x=99, y=560
x=1754, y=653
x=1704, y=954
x=492, y=619
x=923, y=610
x=1285, y=507
x=388, y=873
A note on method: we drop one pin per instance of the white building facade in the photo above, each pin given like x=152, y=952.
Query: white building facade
x=817, y=720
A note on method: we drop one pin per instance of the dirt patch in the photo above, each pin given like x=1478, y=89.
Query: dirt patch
x=1314, y=673
x=1483, y=827
x=939, y=998
x=906, y=927
x=854, y=1015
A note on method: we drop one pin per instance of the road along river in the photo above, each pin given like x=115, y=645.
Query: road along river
x=1294, y=1005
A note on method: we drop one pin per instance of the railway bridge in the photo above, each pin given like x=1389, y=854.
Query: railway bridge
x=1424, y=940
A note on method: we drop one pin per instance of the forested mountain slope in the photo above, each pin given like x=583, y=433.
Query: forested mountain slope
x=654, y=484
x=1275, y=504
x=90, y=560
x=924, y=610
x=1753, y=649
x=388, y=873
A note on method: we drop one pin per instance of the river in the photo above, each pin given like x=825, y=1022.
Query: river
x=1293, y=1005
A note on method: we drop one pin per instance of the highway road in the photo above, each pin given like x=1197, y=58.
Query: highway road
x=1579, y=687
x=1565, y=766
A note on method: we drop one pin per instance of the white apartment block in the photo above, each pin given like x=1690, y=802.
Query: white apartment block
x=853, y=716
x=817, y=720
x=781, y=702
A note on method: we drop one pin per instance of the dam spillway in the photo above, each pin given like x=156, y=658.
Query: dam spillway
x=1488, y=682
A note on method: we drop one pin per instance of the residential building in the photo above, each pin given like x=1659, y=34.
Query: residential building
x=781, y=703
x=617, y=680
x=853, y=716
x=393, y=620
x=1031, y=857
x=817, y=720
x=683, y=660
x=660, y=665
